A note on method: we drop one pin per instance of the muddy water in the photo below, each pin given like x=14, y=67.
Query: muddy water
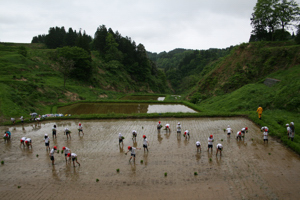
x=247, y=169
x=124, y=108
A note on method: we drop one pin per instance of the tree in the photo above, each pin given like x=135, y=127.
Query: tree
x=297, y=38
x=112, y=52
x=100, y=39
x=271, y=15
x=65, y=67
x=55, y=37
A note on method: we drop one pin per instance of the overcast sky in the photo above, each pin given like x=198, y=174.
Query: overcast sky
x=160, y=25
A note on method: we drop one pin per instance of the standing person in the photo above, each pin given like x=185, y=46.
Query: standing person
x=259, y=111
x=264, y=128
x=229, y=131
x=239, y=135
x=28, y=142
x=132, y=149
x=292, y=131
x=145, y=143
x=22, y=141
x=22, y=119
x=219, y=148
x=13, y=120
x=47, y=142
x=186, y=134
x=54, y=131
x=178, y=128
x=210, y=143
x=74, y=158
x=6, y=137
x=288, y=129
x=198, y=146
x=159, y=126
x=8, y=133
x=265, y=134
x=68, y=133
x=67, y=151
x=51, y=154
x=134, y=134
x=121, y=138
x=80, y=129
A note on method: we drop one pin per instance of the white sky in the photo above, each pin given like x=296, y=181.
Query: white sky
x=160, y=25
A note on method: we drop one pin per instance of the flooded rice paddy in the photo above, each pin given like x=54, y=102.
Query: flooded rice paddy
x=247, y=169
x=123, y=108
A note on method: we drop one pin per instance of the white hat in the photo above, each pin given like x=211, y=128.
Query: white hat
x=178, y=122
x=46, y=134
x=292, y=123
x=287, y=125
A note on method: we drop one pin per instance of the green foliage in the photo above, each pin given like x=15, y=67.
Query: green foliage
x=22, y=50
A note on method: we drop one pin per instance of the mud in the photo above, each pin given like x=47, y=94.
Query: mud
x=247, y=169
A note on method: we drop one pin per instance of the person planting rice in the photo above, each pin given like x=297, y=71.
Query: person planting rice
x=121, y=138
x=186, y=134
x=134, y=134
x=219, y=148
x=22, y=141
x=229, y=131
x=288, y=129
x=178, y=128
x=292, y=131
x=132, y=149
x=145, y=143
x=265, y=134
x=159, y=126
x=80, y=129
x=47, y=142
x=264, y=128
x=51, y=154
x=13, y=120
x=210, y=143
x=167, y=127
x=239, y=135
x=74, y=158
x=28, y=143
x=198, y=146
x=68, y=133
x=67, y=151
x=6, y=137
x=54, y=131
x=243, y=131
x=8, y=133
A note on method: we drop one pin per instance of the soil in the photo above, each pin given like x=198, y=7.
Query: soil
x=247, y=169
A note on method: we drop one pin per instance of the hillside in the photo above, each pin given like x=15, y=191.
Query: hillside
x=30, y=81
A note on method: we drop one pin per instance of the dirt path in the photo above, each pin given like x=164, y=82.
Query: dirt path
x=247, y=169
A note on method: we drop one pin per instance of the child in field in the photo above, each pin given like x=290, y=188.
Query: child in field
x=239, y=135
x=210, y=143
x=132, y=149
x=264, y=128
x=243, y=131
x=8, y=133
x=159, y=126
x=68, y=133
x=74, y=158
x=22, y=119
x=198, y=146
x=292, y=131
x=229, y=131
x=288, y=129
x=121, y=138
x=134, y=134
x=47, y=142
x=265, y=136
x=145, y=143
x=28, y=143
x=22, y=141
x=5, y=137
x=167, y=127
x=51, y=154
x=219, y=148
x=186, y=134
x=13, y=120
x=67, y=151
x=178, y=128
x=80, y=129
x=54, y=131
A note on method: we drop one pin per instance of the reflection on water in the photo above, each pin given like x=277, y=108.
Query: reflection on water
x=125, y=108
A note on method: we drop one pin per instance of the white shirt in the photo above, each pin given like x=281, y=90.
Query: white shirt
x=220, y=146
x=67, y=150
x=238, y=133
x=167, y=125
x=133, y=150
x=73, y=155
x=265, y=135
x=198, y=143
x=186, y=132
x=243, y=129
x=52, y=152
x=28, y=139
x=145, y=142
x=178, y=127
x=80, y=127
x=229, y=130
x=120, y=136
x=23, y=138
x=210, y=141
x=47, y=140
